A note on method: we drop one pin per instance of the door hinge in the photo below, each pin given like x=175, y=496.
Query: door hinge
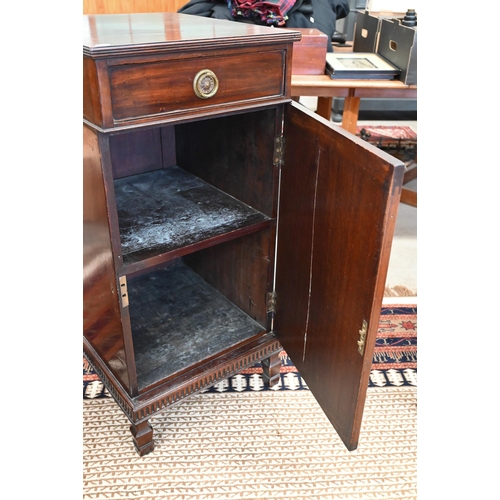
x=123, y=291
x=278, y=150
x=271, y=302
x=362, y=338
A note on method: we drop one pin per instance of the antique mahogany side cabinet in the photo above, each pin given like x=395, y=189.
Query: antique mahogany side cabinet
x=222, y=220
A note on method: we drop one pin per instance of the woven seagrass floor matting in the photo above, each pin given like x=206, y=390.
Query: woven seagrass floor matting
x=254, y=445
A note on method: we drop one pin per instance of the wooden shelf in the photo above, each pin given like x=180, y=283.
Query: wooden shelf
x=179, y=321
x=168, y=213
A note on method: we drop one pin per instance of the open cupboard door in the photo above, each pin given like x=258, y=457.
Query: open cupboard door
x=338, y=204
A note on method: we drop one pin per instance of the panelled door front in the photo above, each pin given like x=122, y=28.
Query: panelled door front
x=338, y=205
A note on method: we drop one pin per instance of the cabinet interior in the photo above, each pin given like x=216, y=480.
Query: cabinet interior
x=196, y=209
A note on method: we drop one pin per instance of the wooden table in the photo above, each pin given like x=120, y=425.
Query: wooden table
x=326, y=88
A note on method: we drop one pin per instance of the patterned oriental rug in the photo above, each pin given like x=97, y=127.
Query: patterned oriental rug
x=240, y=440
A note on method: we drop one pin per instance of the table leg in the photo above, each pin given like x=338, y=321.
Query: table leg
x=408, y=197
x=351, y=112
x=324, y=108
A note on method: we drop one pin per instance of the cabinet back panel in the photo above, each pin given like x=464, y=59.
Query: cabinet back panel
x=142, y=151
x=241, y=270
x=233, y=153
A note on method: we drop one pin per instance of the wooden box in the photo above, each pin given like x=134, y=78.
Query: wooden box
x=309, y=55
x=222, y=221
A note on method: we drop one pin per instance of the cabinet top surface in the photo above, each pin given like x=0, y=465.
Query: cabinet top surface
x=115, y=34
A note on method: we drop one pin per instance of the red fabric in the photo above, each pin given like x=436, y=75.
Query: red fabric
x=269, y=11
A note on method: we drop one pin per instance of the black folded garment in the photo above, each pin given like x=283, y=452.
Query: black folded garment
x=319, y=14
x=207, y=8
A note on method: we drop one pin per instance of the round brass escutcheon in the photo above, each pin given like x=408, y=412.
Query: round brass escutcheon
x=205, y=84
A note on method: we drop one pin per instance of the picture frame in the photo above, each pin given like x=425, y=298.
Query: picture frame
x=359, y=65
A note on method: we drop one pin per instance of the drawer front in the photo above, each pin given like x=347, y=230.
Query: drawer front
x=151, y=90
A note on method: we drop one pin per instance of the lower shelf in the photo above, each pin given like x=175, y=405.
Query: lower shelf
x=179, y=321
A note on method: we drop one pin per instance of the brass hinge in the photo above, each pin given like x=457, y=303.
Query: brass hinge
x=362, y=338
x=278, y=150
x=123, y=291
x=271, y=302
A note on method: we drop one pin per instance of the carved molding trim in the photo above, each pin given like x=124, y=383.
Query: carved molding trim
x=168, y=398
x=225, y=370
x=110, y=386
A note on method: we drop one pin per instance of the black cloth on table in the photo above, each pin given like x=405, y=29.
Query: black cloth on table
x=319, y=14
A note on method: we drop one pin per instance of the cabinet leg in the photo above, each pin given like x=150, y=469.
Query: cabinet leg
x=271, y=370
x=143, y=437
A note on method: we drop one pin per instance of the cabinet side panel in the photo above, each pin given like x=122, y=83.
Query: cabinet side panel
x=102, y=325
x=234, y=154
x=91, y=99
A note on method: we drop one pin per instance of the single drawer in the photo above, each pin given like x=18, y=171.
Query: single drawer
x=153, y=90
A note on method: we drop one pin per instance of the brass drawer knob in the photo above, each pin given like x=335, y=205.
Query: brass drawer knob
x=205, y=84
